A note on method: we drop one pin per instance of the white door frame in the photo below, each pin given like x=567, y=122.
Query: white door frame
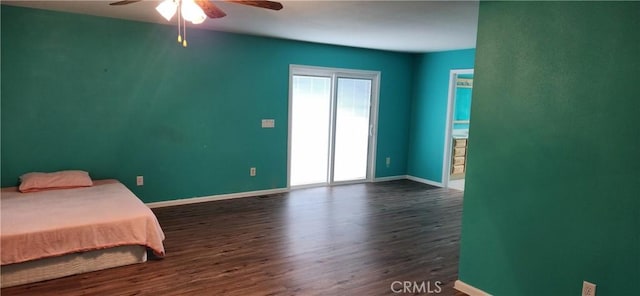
x=335, y=73
x=446, y=161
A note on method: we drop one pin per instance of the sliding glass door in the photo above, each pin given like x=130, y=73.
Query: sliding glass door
x=332, y=124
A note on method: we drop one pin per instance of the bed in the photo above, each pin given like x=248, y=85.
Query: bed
x=55, y=233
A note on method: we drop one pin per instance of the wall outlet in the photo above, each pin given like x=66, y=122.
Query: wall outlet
x=140, y=180
x=588, y=289
x=252, y=172
x=388, y=161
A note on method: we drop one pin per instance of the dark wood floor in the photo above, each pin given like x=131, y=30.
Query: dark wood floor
x=342, y=240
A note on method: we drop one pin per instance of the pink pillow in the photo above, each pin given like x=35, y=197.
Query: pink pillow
x=32, y=182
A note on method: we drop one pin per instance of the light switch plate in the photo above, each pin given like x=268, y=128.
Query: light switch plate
x=268, y=123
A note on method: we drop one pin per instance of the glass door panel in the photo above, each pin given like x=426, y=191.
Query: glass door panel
x=310, y=121
x=352, y=124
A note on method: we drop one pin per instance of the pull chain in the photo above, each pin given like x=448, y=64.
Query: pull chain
x=184, y=28
x=179, y=14
x=182, y=25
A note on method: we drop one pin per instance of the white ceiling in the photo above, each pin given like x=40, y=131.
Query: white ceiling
x=406, y=26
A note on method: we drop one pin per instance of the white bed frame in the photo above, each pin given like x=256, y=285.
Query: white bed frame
x=61, y=266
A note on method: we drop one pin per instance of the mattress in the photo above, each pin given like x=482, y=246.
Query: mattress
x=58, y=222
x=70, y=264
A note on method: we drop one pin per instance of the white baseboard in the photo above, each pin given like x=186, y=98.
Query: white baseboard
x=468, y=289
x=186, y=201
x=425, y=181
x=390, y=178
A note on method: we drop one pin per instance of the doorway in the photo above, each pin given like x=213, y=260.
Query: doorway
x=457, y=128
x=332, y=125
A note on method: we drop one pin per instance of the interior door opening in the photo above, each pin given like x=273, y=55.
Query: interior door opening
x=457, y=133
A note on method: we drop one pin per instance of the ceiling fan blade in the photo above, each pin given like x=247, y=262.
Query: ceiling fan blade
x=262, y=4
x=124, y=2
x=210, y=9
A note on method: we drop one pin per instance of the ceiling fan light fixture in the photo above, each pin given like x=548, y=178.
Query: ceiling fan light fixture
x=167, y=9
x=192, y=12
x=196, y=11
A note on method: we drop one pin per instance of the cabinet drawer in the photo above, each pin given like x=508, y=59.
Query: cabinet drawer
x=459, y=151
x=459, y=160
x=457, y=169
x=459, y=143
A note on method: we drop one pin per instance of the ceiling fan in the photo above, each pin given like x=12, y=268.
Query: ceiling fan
x=196, y=11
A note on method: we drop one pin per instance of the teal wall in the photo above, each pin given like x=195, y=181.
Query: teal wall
x=429, y=110
x=554, y=151
x=120, y=98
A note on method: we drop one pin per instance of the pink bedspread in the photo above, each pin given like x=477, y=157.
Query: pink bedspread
x=57, y=222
